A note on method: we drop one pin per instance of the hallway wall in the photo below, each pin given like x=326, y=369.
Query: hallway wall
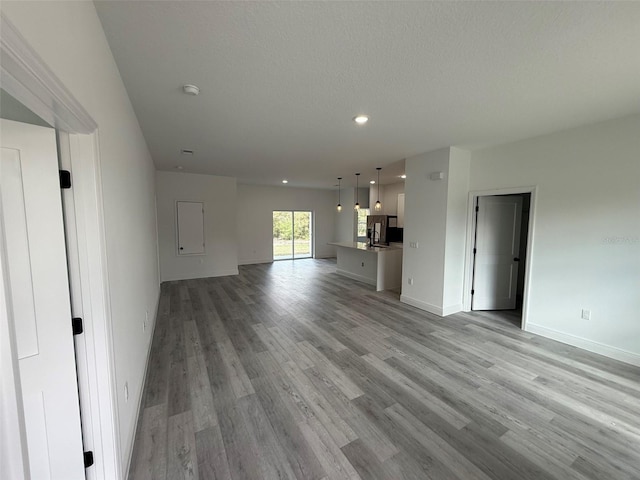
x=69, y=38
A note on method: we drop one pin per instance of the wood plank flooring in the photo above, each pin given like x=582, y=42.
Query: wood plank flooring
x=291, y=371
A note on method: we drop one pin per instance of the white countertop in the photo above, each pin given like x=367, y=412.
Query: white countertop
x=364, y=246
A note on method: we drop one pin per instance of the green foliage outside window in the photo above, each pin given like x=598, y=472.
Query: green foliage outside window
x=362, y=222
x=282, y=225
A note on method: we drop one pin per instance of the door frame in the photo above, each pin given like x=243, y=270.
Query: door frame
x=313, y=238
x=471, y=222
x=26, y=77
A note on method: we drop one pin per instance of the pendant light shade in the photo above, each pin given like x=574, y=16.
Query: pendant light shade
x=357, y=205
x=339, y=207
x=378, y=205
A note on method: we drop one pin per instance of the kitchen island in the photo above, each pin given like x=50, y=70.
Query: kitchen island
x=380, y=266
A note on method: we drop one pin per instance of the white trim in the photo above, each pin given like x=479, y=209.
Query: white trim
x=471, y=221
x=422, y=305
x=585, y=344
x=451, y=309
x=96, y=303
x=75, y=291
x=26, y=77
x=355, y=276
x=216, y=273
x=144, y=384
x=254, y=262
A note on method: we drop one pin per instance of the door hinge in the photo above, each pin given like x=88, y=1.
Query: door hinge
x=472, y=292
x=88, y=459
x=76, y=326
x=65, y=179
x=475, y=251
x=477, y=208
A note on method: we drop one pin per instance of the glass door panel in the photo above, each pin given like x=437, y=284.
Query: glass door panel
x=292, y=236
x=282, y=235
x=302, y=234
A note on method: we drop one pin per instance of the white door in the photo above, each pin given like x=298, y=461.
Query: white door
x=495, y=277
x=41, y=313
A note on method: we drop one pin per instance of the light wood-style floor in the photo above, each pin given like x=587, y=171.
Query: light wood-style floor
x=291, y=371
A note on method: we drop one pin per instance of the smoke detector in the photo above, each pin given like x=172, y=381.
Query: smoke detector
x=191, y=90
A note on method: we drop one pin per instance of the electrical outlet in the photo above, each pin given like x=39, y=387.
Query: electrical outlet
x=146, y=321
x=410, y=281
x=363, y=264
x=586, y=314
x=126, y=391
x=413, y=244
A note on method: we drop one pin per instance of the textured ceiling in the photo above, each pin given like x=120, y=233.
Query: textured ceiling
x=281, y=82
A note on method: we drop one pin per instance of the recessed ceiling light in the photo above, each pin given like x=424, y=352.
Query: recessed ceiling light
x=372, y=182
x=178, y=167
x=186, y=151
x=361, y=119
x=403, y=176
x=285, y=181
x=191, y=89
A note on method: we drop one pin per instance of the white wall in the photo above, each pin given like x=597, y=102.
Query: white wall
x=345, y=221
x=388, y=197
x=12, y=109
x=586, y=238
x=255, y=206
x=425, y=223
x=69, y=38
x=363, y=198
x=221, y=251
x=456, y=229
x=435, y=218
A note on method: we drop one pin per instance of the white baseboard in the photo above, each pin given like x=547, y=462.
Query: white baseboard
x=585, y=344
x=144, y=383
x=270, y=260
x=217, y=273
x=354, y=276
x=451, y=309
x=254, y=262
x=422, y=305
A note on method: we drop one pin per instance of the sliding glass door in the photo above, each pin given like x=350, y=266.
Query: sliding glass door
x=292, y=234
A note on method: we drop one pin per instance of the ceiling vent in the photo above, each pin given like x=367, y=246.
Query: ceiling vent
x=186, y=151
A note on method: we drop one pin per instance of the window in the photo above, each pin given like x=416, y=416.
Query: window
x=361, y=232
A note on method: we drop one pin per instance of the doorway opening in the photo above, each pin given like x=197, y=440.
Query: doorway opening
x=292, y=234
x=499, y=257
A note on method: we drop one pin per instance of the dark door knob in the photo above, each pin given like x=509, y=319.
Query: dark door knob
x=181, y=248
x=516, y=259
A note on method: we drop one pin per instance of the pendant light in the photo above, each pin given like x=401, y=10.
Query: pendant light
x=357, y=205
x=339, y=207
x=378, y=206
